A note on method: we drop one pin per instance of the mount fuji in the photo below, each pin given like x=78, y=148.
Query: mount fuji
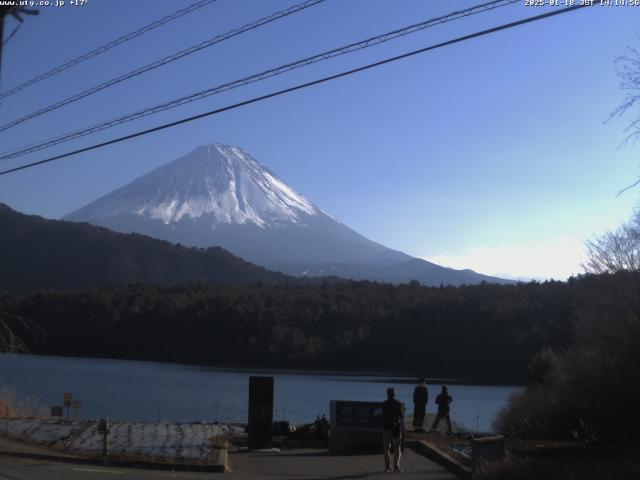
x=219, y=195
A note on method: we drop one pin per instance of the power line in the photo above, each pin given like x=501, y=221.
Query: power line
x=108, y=46
x=164, y=61
x=15, y=30
x=369, y=42
x=302, y=86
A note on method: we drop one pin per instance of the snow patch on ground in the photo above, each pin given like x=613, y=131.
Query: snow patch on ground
x=47, y=432
x=186, y=442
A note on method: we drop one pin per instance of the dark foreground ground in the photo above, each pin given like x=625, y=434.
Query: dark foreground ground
x=312, y=463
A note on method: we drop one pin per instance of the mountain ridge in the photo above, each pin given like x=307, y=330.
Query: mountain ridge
x=220, y=195
x=41, y=253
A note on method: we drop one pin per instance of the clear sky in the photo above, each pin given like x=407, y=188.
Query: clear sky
x=491, y=154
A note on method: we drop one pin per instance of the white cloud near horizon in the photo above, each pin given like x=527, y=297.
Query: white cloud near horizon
x=556, y=258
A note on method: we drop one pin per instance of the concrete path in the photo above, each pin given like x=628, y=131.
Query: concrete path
x=318, y=464
x=10, y=445
x=288, y=464
x=12, y=468
x=300, y=464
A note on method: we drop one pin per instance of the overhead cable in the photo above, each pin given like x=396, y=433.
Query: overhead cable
x=366, y=43
x=10, y=36
x=164, y=61
x=107, y=46
x=301, y=86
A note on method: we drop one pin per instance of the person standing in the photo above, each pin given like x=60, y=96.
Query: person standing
x=420, y=399
x=443, y=400
x=392, y=426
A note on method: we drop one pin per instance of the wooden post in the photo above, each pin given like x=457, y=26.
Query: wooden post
x=103, y=428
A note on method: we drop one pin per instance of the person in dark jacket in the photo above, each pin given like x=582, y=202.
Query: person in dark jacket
x=443, y=400
x=420, y=399
x=392, y=427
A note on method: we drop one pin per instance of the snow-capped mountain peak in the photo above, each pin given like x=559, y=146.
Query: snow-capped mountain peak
x=219, y=195
x=221, y=181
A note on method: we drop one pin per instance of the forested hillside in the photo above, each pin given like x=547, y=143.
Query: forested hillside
x=482, y=333
x=40, y=253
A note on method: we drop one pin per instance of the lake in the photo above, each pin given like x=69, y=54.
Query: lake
x=135, y=390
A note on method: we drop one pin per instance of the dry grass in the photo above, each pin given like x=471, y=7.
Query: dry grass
x=7, y=402
x=12, y=406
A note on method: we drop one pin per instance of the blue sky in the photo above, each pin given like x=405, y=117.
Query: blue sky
x=491, y=154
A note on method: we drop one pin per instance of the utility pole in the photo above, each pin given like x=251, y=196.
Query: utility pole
x=15, y=12
x=3, y=13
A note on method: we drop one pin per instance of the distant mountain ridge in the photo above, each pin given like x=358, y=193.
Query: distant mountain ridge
x=40, y=253
x=219, y=195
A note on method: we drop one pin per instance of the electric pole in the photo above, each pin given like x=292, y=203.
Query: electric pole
x=3, y=13
x=15, y=12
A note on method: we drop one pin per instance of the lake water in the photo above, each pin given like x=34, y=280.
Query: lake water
x=134, y=390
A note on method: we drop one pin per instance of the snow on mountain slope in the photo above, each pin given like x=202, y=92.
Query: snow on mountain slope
x=220, y=180
x=219, y=195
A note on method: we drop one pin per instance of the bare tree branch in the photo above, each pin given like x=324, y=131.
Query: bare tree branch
x=615, y=251
x=9, y=340
x=628, y=71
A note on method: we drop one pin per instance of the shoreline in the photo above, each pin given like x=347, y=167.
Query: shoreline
x=408, y=376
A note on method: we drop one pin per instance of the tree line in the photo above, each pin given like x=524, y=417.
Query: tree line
x=483, y=333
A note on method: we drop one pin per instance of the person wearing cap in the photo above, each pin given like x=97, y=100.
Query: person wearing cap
x=392, y=426
x=443, y=400
x=420, y=399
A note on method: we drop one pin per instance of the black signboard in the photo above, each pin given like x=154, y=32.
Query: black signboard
x=359, y=415
x=260, y=412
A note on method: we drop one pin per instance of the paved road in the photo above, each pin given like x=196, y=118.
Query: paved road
x=318, y=464
x=296, y=464
x=314, y=464
x=25, y=469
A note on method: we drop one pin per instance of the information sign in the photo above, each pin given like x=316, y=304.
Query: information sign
x=360, y=415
